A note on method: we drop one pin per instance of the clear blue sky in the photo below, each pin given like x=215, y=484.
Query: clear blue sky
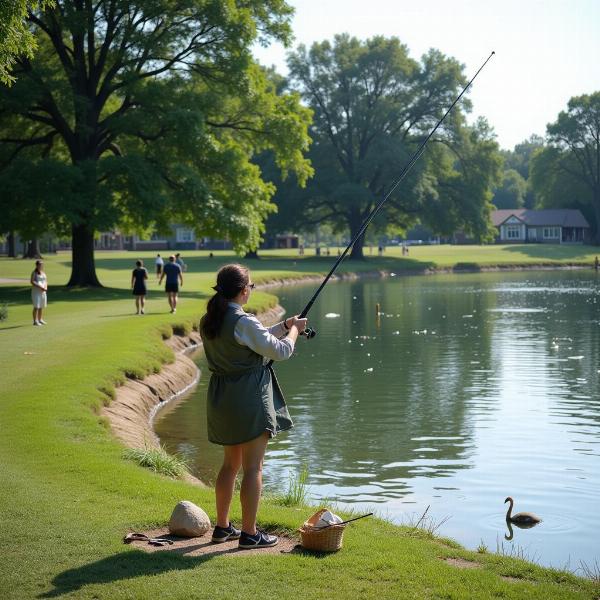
x=546, y=51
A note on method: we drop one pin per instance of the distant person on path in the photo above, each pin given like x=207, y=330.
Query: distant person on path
x=172, y=271
x=245, y=406
x=596, y=264
x=138, y=282
x=180, y=262
x=39, y=295
x=159, y=262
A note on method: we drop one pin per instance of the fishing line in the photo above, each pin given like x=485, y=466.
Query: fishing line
x=310, y=332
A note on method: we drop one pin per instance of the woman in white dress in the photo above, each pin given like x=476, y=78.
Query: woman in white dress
x=39, y=288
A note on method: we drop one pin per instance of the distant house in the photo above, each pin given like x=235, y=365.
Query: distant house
x=553, y=226
x=180, y=237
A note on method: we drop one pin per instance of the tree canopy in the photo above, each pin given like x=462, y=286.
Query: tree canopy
x=567, y=171
x=373, y=105
x=151, y=111
x=511, y=193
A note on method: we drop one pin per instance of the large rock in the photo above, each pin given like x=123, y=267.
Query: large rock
x=188, y=520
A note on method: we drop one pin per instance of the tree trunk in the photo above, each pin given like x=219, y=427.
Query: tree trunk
x=596, y=201
x=32, y=250
x=252, y=254
x=357, y=249
x=12, y=250
x=83, y=270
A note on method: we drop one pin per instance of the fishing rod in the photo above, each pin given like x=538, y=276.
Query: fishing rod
x=310, y=333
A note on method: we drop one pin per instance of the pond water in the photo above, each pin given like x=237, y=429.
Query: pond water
x=467, y=389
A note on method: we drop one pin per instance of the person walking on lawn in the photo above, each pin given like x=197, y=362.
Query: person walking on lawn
x=39, y=292
x=139, y=276
x=172, y=271
x=245, y=406
x=159, y=263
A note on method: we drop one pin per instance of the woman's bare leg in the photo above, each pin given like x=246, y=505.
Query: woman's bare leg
x=253, y=453
x=232, y=461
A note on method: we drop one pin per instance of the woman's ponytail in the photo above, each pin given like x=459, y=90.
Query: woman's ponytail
x=231, y=280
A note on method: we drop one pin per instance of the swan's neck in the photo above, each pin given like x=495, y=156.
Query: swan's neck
x=509, y=511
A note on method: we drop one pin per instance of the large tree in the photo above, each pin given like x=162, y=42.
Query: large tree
x=567, y=172
x=373, y=105
x=157, y=109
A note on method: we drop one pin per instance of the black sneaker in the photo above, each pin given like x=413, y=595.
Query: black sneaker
x=260, y=540
x=223, y=534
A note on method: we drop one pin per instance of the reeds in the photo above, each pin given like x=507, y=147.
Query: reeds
x=158, y=460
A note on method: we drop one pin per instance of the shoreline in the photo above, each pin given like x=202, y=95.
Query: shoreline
x=137, y=402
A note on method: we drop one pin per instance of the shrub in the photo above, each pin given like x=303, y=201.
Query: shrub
x=3, y=312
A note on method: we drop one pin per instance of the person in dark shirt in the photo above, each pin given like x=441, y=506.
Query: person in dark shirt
x=172, y=271
x=138, y=282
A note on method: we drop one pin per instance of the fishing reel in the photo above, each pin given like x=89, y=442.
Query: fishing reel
x=309, y=333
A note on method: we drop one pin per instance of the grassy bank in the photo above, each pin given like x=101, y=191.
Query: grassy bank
x=67, y=495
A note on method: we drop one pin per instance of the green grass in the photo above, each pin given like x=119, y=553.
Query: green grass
x=297, y=491
x=157, y=460
x=67, y=495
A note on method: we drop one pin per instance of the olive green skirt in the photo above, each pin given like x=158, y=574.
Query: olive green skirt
x=241, y=406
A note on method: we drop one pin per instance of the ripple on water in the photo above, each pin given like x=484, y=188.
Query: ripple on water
x=552, y=523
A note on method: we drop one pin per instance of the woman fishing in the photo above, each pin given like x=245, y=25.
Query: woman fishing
x=245, y=406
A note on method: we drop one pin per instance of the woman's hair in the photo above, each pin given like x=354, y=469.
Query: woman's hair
x=231, y=280
x=38, y=266
x=139, y=263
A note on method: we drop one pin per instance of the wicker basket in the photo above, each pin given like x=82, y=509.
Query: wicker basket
x=323, y=539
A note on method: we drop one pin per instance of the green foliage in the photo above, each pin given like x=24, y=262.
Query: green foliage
x=158, y=460
x=517, y=191
x=132, y=114
x=511, y=194
x=372, y=106
x=3, y=312
x=15, y=36
x=566, y=173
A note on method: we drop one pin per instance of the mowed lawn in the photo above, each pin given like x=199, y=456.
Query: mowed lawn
x=67, y=496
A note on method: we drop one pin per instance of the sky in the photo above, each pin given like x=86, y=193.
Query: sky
x=546, y=51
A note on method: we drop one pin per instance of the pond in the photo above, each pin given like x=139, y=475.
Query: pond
x=464, y=390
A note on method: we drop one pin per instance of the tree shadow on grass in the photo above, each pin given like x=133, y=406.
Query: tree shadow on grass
x=134, y=564
x=306, y=264
x=22, y=295
x=548, y=252
x=125, y=565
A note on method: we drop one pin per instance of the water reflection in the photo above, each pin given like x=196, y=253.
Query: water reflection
x=461, y=389
x=509, y=526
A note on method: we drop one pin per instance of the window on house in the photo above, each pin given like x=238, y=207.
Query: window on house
x=513, y=232
x=551, y=233
x=185, y=235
